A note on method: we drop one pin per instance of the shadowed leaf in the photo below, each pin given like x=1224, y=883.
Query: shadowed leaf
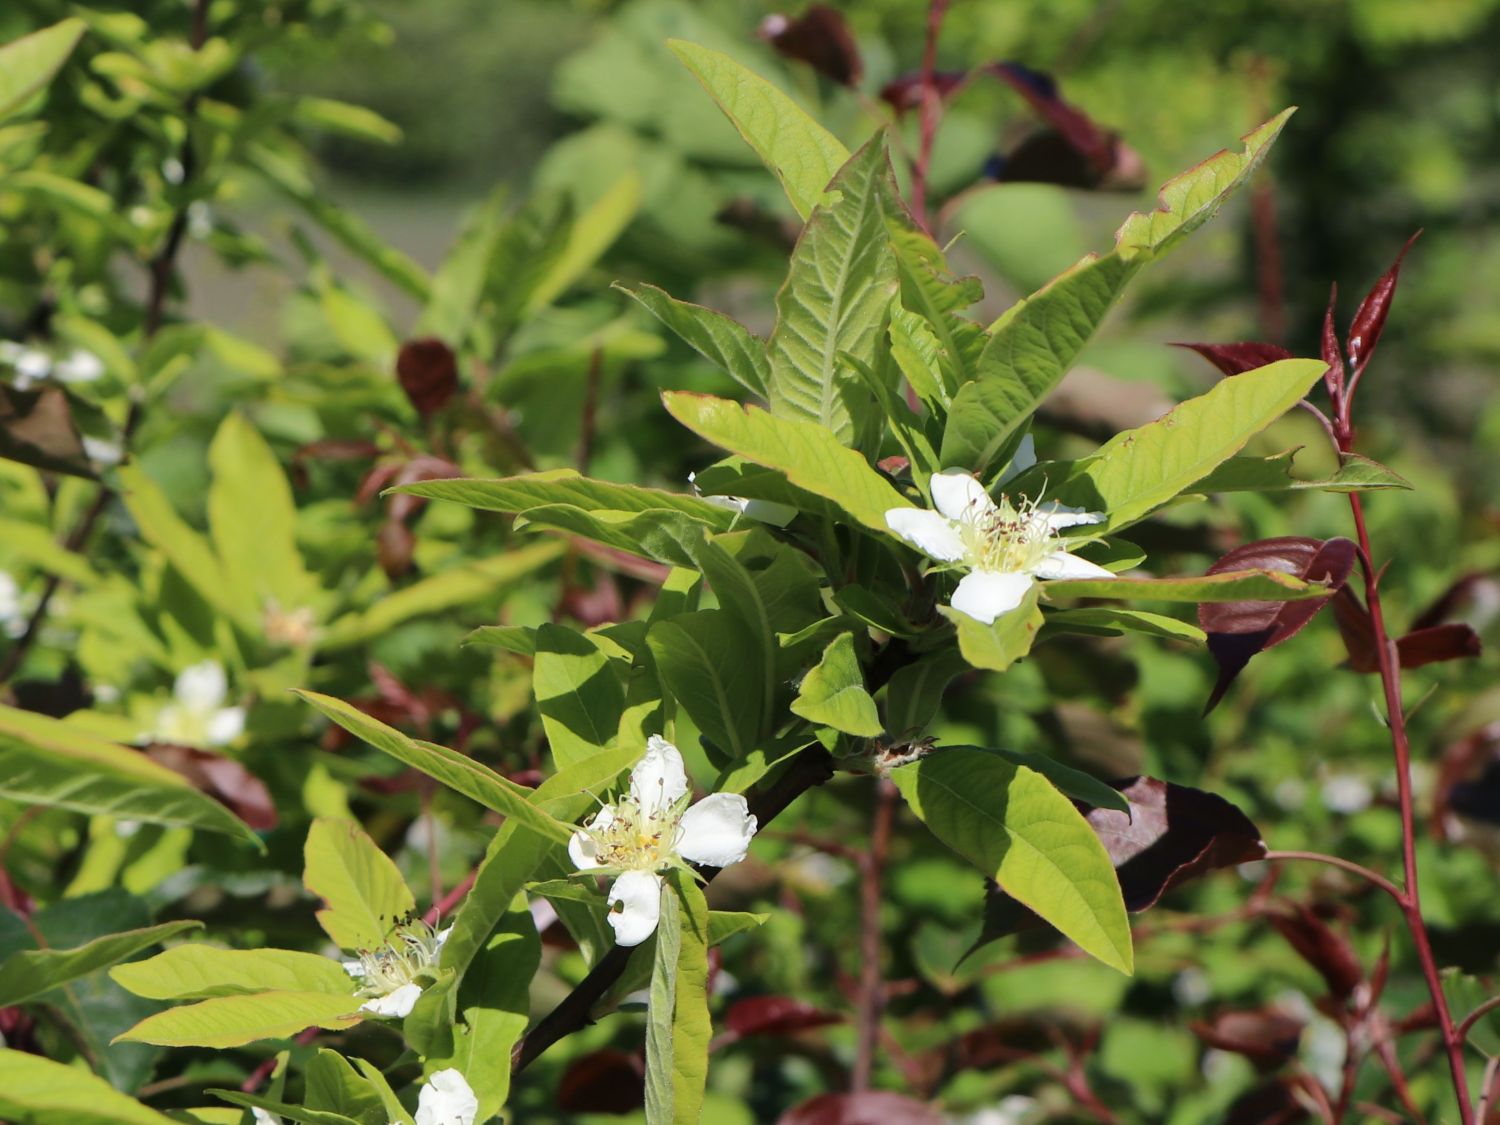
x=776, y=1015
x=821, y=38
x=873, y=1107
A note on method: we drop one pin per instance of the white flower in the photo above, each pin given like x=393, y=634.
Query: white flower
x=264, y=1118
x=80, y=366
x=12, y=606
x=765, y=511
x=389, y=975
x=102, y=452
x=447, y=1100
x=651, y=830
x=31, y=365
x=1004, y=546
x=197, y=715
x=1347, y=793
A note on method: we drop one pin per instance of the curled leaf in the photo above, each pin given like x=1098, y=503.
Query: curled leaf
x=428, y=371
x=1236, y=359
x=1268, y=1037
x=821, y=38
x=1369, y=318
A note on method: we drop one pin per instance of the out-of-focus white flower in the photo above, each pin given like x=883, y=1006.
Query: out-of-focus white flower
x=196, y=716
x=389, y=975
x=200, y=219
x=764, y=511
x=102, y=452
x=173, y=171
x=79, y=366
x=1005, y=546
x=1014, y=1109
x=1290, y=793
x=651, y=830
x=32, y=365
x=1191, y=988
x=264, y=1117
x=447, y=1099
x=13, y=611
x=1347, y=793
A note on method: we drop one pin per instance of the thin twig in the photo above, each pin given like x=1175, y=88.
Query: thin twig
x=1372, y=877
x=1487, y=1087
x=1466, y=1024
x=931, y=111
x=871, y=989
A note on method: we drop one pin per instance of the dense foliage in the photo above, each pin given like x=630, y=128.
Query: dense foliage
x=516, y=689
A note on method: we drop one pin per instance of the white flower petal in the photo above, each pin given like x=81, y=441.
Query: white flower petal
x=397, y=1004
x=717, y=830
x=985, y=595
x=659, y=778
x=80, y=367
x=439, y=940
x=959, y=495
x=932, y=534
x=583, y=851
x=447, y=1099
x=261, y=1117
x=1025, y=458
x=355, y=969
x=201, y=687
x=227, y=724
x=1057, y=516
x=1060, y=564
x=32, y=364
x=769, y=511
x=638, y=894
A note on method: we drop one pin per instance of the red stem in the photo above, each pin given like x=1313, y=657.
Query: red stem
x=932, y=104
x=871, y=988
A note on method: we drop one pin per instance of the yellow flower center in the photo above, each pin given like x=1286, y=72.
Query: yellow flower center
x=408, y=953
x=1009, y=539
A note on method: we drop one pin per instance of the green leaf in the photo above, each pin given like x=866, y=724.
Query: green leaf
x=1032, y=346
x=200, y=972
x=567, y=486
x=718, y=338
x=38, y=1091
x=928, y=291
x=233, y=1021
x=519, y=640
x=333, y=1086
x=1274, y=474
x=1465, y=994
x=458, y=284
x=677, y=1029
x=395, y=1112
x=1137, y=471
x=1072, y=783
x=915, y=692
x=745, y=605
x=698, y=658
x=998, y=645
x=835, y=300
x=365, y=893
x=283, y=1110
x=29, y=973
x=578, y=693
x=457, y=771
x=809, y=456
x=833, y=692
x=666, y=536
x=343, y=117
x=253, y=521
x=1011, y=823
x=592, y=233
x=28, y=64
x=459, y=586
x=1112, y=621
x=44, y=761
x=803, y=155
x=1229, y=586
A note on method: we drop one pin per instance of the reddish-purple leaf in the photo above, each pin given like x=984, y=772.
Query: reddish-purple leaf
x=1236, y=359
x=1049, y=157
x=37, y=429
x=1267, y=1037
x=1437, y=643
x=604, y=1081
x=1076, y=127
x=776, y=1015
x=1333, y=378
x=820, y=37
x=873, y=1107
x=1322, y=948
x=395, y=546
x=221, y=778
x=1469, y=780
x=428, y=371
x=904, y=92
x=1238, y=630
x=1275, y=1103
x=1369, y=318
x=1477, y=591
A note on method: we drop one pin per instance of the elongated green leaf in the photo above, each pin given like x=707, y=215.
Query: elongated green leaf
x=35, y=544
x=567, y=486
x=1032, y=346
x=38, y=1091
x=578, y=693
x=457, y=771
x=915, y=692
x=199, y=972
x=1274, y=474
x=998, y=645
x=253, y=520
x=365, y=893
x=1230, y=586
x=395, y=1112
x=833, y=692
x=929, y=292
x=664, y=535
x=459, y=586
x=746, y=605
x=459, y=282
x=233, y=1021
x=809, y=456
x=1137, y=471
x=592, y=233
x=285, y=1110
x=698, y=658
x=519, y=640
x=718, y=338
x=1011, y=823
x=803, y=155
x=188, y=551
x=333, y=1086
x=677, y=1029
x=835, y=300
x=29, y=973
x=47, y=762
x=1112, y=620
x=28, y=64
x=1070, y=782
